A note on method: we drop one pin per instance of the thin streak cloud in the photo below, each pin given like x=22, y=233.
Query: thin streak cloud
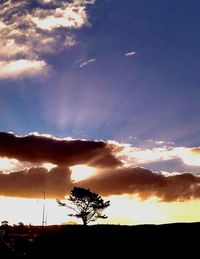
x=128, y=54
x=87, y=62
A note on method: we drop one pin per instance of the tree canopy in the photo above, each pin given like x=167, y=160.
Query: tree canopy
x=86, y=205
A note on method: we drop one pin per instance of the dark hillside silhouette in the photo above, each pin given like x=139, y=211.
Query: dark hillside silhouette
x=71, y=241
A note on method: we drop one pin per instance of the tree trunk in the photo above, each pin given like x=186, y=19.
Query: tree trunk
x=84, y=221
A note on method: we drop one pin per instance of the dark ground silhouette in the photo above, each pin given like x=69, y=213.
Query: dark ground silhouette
x=98, y=241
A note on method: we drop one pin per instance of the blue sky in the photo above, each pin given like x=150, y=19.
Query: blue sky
x=152, y=94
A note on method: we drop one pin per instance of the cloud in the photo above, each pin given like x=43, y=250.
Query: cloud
x=9, y=48
x=160, y=143
x=69, y=15
x=28, y=183
x=128, y=54
x=70, y=152
x=22, y=68
x=133, y=156
x=2, y=25
x=172, y=165
x=47, y=1
x=87, y=62
x=29, y=32
x=41, y=161
x=37, y=148
x=132, y=181
x=8, y=165
x=145, y=183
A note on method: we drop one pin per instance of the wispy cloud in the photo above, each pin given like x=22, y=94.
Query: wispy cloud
x=69, y=15
x=47, y=1
x=160, y=142
x=87, y=62
x=132, y=53
x=9, y=48
x=28, y=32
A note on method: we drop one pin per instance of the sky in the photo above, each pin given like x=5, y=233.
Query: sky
x=105, y=95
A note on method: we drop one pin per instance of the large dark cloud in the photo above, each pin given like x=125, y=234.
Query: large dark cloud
x=145, y=183
x=137, y=181
x=36, y=148
x=29, y=183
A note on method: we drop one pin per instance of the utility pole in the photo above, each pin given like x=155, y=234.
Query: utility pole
x=44, y=210
x=46, y=219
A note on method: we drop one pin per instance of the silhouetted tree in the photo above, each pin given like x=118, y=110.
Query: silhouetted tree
x=4, y=223
x=87, y=205
x=21, y=224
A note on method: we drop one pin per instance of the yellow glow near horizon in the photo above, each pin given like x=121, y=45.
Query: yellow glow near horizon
x=123, y=210
x=28, y=211
x=81, y=172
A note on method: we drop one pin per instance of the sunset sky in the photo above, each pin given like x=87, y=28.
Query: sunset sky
x=104, y=95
